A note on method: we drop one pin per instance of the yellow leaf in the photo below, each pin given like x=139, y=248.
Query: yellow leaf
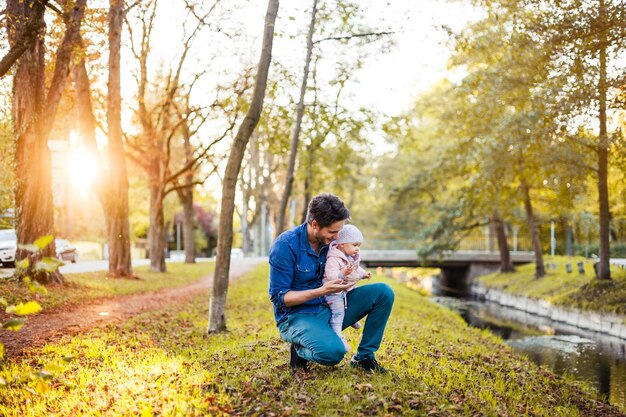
x=41, y=386
x=43, y=241
x=36, y=287
x=147, y=411
x=48, y=264
x=13, y=324
x=24, y=309
x=54, y=368
x=23, y=264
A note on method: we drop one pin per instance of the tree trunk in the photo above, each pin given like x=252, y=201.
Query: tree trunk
x=491, y=234
x=186, y=200
x=540, y=270
x=604, y=268
x=308, y=182
x=33, y=115
x=568, y=238
x=156, y=230
x=245, y=239
x=119, y=227
x=505, y=256
x=114, y=202
x=33, y=188
x=295, y=135
x=217, y=304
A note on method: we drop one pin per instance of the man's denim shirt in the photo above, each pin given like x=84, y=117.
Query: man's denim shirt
x=295, y=266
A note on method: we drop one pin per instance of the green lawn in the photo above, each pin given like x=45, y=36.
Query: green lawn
x=560, y=288
x=162, y=363
x=85, y=286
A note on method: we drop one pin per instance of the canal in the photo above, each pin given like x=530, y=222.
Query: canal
x=597, y=359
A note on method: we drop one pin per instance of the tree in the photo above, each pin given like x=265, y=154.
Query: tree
x=339, y=134
x=24, y=38
x=111, y=181
x=583, y=39
x=295, y=136
x=117, y=203
x=7, y=174
x=265, y=162
x=217, y=304
x=334, y=24
x=34, y=111
x=204, y=232
x=511, y=118
x=185, y=195
x=190, y=122
x=159, y=116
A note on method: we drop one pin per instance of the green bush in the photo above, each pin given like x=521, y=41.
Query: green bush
x=616, y=250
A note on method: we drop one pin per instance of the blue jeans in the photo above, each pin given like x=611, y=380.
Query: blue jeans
x=316, y=341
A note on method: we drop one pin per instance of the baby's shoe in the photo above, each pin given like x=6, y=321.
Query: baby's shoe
x=346, y=345
x=356, y=325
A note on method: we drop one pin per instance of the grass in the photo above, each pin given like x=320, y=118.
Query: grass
x=162, y=363
x=85, y=286
x=582, y=291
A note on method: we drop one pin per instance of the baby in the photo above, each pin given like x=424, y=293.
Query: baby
x=342, y=262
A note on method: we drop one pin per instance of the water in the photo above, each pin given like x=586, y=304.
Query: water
x=597, y=359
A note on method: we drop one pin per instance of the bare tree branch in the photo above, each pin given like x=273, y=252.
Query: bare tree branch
x=25, y=39
x=136, y=159
x=201, y=19
x=353, y=36
x=56, y=10
x=126, y=10
x=202, y=154
x=179, y=187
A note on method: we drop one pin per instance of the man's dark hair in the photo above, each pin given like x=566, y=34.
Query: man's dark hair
x=326, y=209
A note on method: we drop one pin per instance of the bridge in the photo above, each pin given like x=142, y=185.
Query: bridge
x=455, y=259
x=458, y=268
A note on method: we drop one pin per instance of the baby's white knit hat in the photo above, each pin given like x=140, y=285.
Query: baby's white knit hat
x=349, y=234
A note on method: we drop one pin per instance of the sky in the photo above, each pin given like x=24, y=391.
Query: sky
x=392, y=81
x=389, y=82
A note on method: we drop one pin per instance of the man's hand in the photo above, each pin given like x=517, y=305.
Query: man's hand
x=334, y=286
x=294, y=298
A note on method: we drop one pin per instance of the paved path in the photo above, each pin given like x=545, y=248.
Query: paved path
x=92, y=266
x=621, y=262
x=55, y=323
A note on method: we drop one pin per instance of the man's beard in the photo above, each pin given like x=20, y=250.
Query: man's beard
x=321, y=240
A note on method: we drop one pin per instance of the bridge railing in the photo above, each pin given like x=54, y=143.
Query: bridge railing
x=411, y=241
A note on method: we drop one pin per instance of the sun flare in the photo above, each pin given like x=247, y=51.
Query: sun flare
x=82, y=169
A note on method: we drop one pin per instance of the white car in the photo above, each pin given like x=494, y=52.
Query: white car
x=8, y=247
x=66, y=251
x=236, y=253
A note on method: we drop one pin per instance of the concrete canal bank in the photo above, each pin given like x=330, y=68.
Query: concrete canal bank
x=610, y=324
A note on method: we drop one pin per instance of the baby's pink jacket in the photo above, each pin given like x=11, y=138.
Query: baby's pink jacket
x=336, y=260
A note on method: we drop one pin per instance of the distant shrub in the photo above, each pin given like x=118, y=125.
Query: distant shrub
x=616, y=250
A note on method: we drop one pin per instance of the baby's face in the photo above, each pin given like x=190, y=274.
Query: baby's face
x=350, y=249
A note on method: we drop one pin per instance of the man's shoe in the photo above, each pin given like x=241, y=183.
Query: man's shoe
x=368, y=365
x=296, y=362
